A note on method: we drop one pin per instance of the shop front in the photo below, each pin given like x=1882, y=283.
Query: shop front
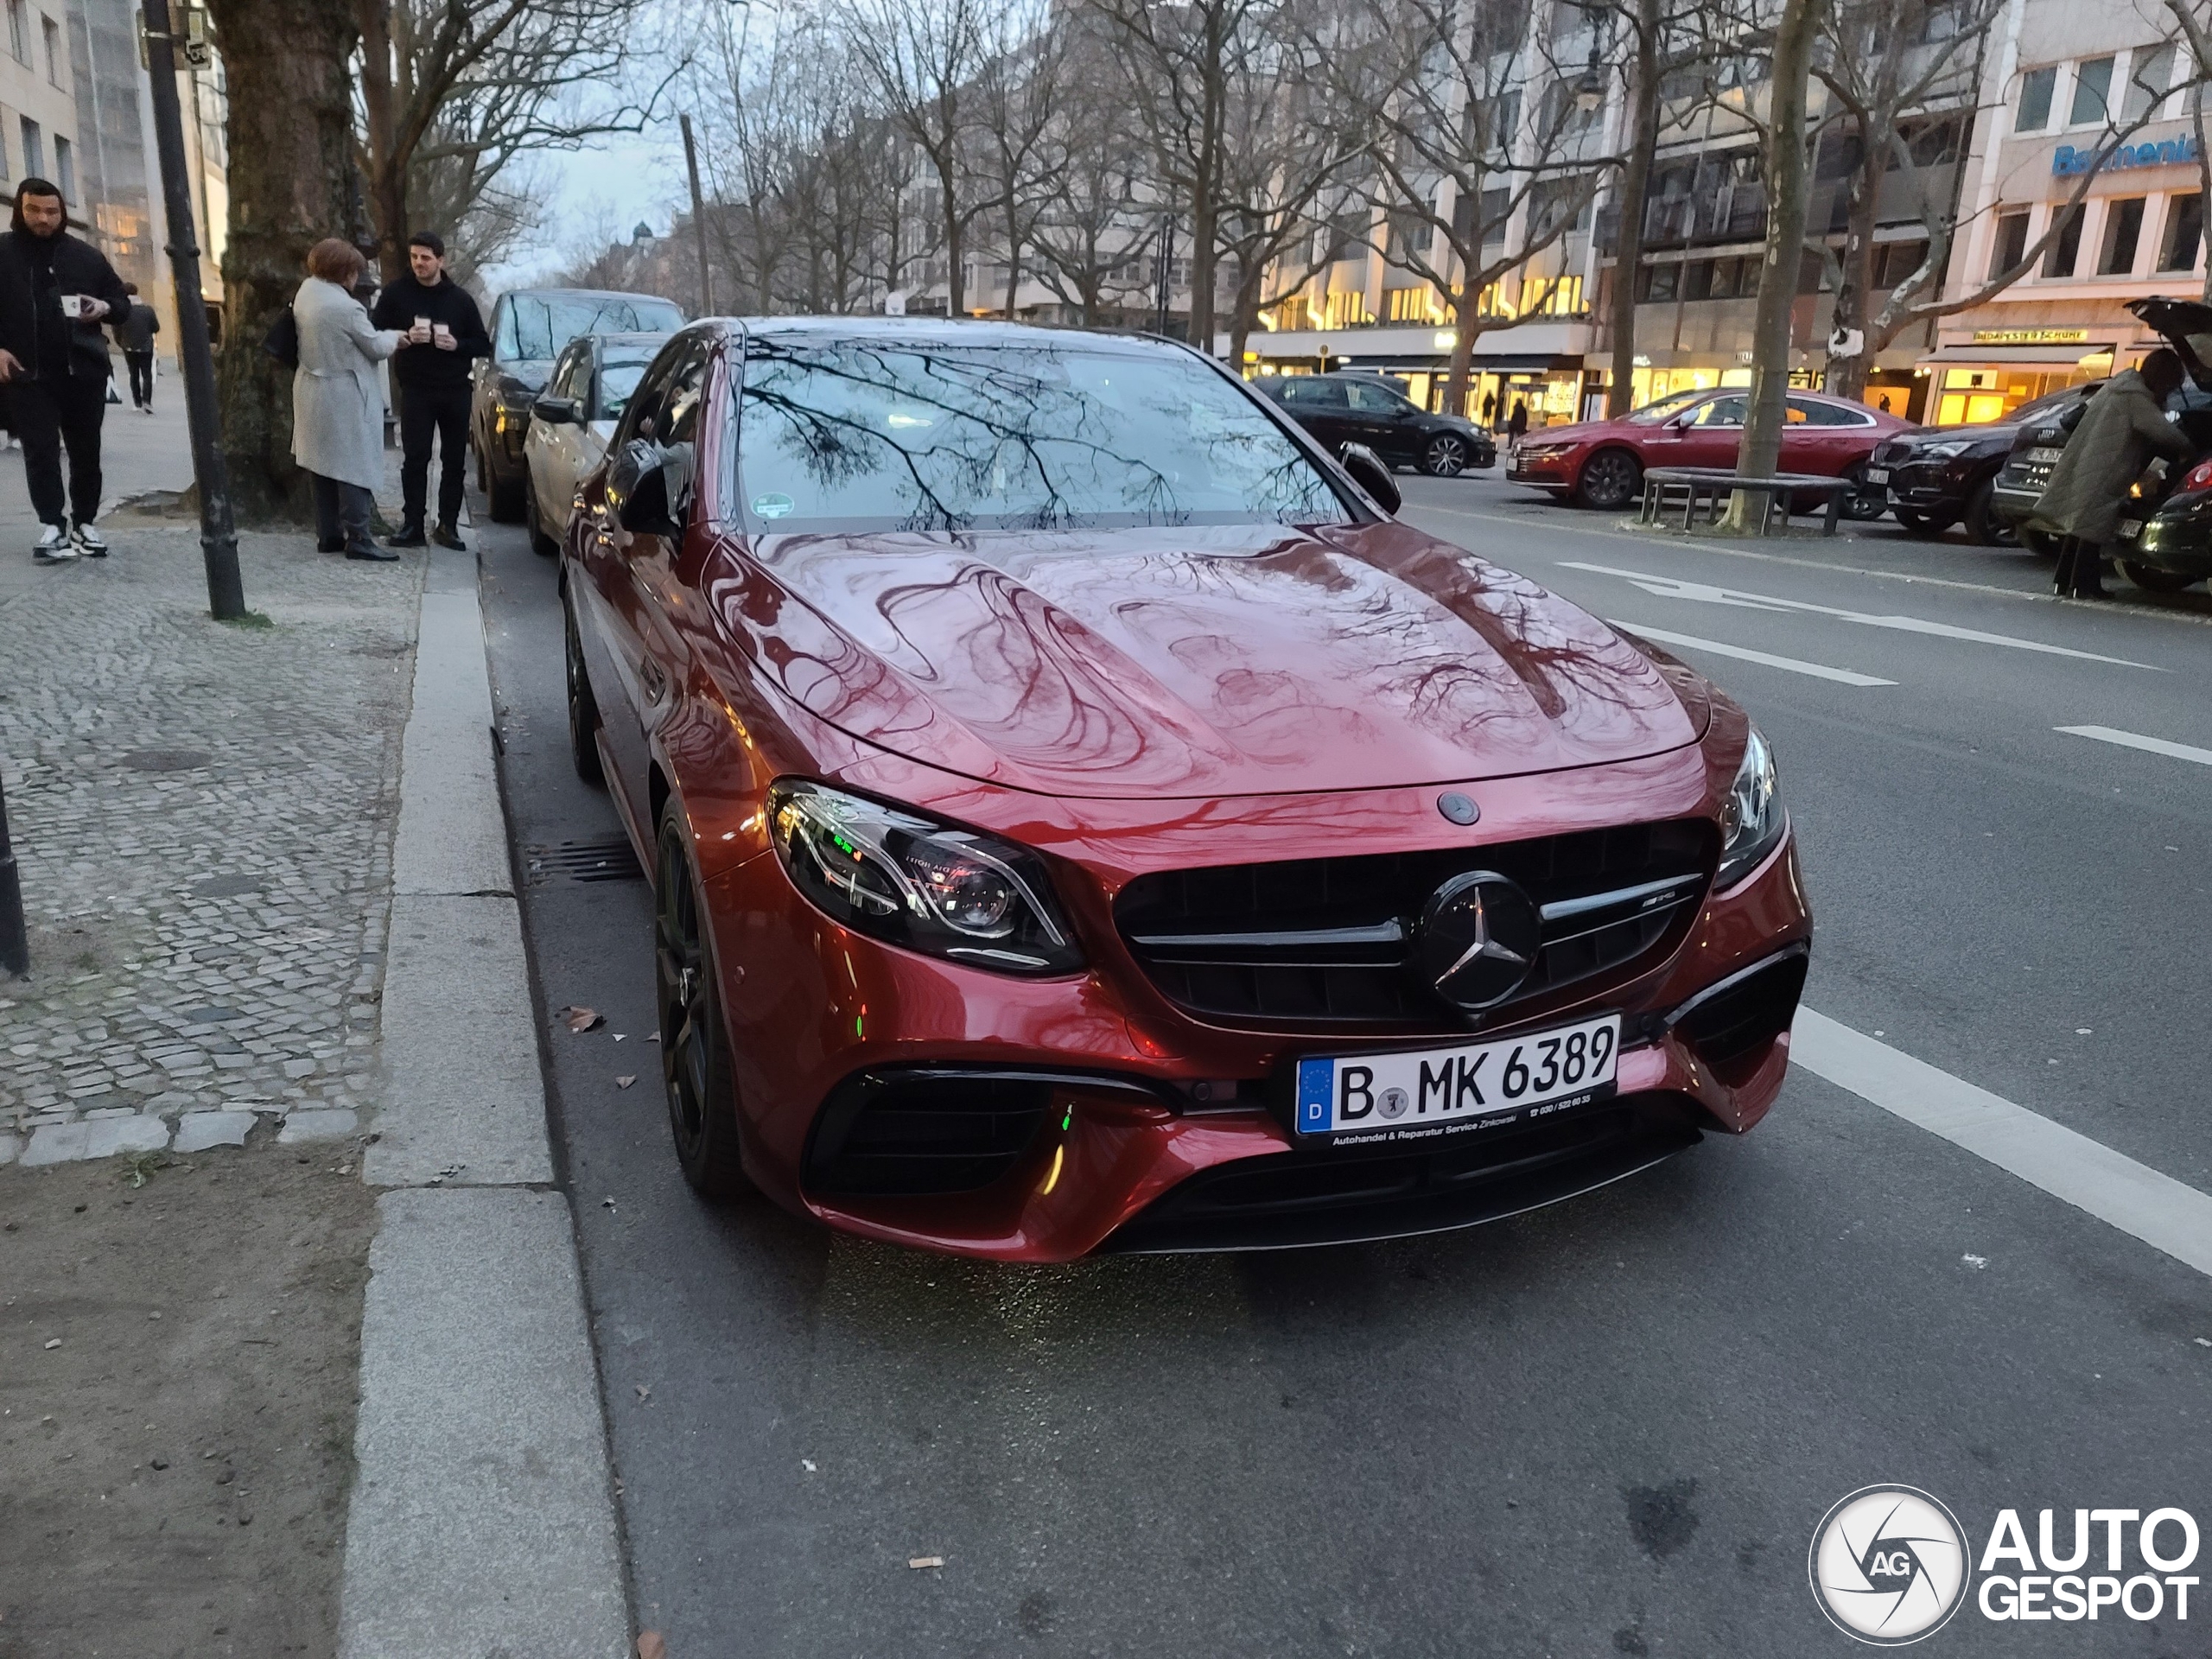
x=1984, y=377
x=1552, y=383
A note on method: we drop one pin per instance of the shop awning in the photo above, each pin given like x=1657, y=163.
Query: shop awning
x=1998, y=356
x=1524, y=362
x=1493, y=363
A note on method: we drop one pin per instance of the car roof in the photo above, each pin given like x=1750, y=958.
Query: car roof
x=946, y=331
x=654, y=337
x=583, y=293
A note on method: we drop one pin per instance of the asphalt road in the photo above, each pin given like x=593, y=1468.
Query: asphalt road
x=1610, y=1428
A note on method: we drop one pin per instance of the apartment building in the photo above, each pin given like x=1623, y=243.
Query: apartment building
x=38, y=107
x=2065, y=78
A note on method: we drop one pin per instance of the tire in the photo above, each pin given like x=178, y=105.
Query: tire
x=1445, y=455
x=695, y=1052
x=2151, y=578
x=2039, y=542
x=540, y=544
x=1924, y=523
x=1984, y=527
x=506, y=496
x=1611, y=479
x=1863, y=505
x=583, y=707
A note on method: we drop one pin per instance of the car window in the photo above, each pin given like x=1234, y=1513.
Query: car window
x=1664, y=408
x=1815, y=411
x=1722, y=411
x=539, y=325
x=618, y=379
x=1375, y=400
x=1303, y=393
x=641, y=416
x=847, y=436
x=573, y=374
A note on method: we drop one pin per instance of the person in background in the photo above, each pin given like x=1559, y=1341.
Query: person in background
x=2122, y=427
x=55, y=291
x=134, y=332
x=337, y=403
x=1490, y=408
x=444, y=334
x=1517, y=425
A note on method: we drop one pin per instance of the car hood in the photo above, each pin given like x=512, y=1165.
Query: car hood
x=1573, y=432
x=1215, y=662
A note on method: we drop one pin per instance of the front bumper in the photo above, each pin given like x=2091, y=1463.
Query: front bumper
x=1101, y=1103
x=1545, y=472
x=1938, y=488
x=2177, y=541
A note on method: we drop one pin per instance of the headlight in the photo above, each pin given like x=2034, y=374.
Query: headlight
x=908, y=880
x=1753, y=820
x=1942, y=451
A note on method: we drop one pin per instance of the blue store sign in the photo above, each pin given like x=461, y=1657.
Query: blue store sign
x=2168, y=152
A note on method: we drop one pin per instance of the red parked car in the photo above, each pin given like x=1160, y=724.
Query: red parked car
x=1601, y=463
x=1082, y=818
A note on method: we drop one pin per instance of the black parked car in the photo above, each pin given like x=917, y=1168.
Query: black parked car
x=529, y=329
x=1346, y=408
x=2159, y=548
x=1940, y=476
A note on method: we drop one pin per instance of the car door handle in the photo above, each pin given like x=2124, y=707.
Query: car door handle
x=655, y=678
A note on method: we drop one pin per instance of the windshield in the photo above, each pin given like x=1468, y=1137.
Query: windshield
x=618, y=379
x=851, y=437
x=537, y=325
x=1672, y=403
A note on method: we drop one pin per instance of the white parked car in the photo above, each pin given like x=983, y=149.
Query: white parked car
x=572, y=421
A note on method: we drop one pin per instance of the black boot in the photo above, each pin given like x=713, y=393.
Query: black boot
x=2061, y=579
x=410, y=535
x=366, y=549
x=448, y=535
x=2088, y=573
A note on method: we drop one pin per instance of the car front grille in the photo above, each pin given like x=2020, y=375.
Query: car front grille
x=1326, y=941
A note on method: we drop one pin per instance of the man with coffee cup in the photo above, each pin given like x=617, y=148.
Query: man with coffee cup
x=443, y=334
x=54, y=292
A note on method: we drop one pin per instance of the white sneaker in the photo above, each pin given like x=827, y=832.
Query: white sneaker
x=54, y=546
x=89, y=542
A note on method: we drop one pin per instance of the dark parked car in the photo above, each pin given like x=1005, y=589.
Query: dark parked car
x=2166, y=550
x=1343, y=408
x=529, y=329
x=1937, y=478
x=1081, y=820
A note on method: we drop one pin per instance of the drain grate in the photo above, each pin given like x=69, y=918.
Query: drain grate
x=610, y=860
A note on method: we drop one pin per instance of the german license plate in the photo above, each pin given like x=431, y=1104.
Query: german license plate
x=2130, y=528
x=2045, y=457
x=1421, y=1094
x=1877, y=474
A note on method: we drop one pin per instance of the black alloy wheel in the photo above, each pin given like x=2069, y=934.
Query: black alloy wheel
x=1984, y=527
x=583, y=707
x=1611, y=479
x=540, y=543
x=1446, y=455
x=504, y=496
x=694, y=1045
x=2152, y=580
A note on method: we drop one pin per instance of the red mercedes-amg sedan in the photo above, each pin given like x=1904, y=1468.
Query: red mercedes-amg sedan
x=1082, y=818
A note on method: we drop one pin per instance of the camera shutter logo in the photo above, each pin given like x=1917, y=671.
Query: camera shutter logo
x=1888, y=1564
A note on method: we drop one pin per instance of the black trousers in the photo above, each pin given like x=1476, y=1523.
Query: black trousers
x=47, y=415
x=426, y=412
x=142, y=377
x=342, y=510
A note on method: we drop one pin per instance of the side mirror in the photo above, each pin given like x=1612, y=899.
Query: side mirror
x=637, y=486
x=1368, y=471
x=555, y=411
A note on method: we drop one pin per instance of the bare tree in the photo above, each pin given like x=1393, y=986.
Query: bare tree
x=922, y=59
x=463, y=87
x=1473, y=181
x=1018, y=93
x=1645, y=21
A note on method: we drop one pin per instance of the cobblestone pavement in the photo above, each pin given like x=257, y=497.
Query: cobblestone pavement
x=203, y=816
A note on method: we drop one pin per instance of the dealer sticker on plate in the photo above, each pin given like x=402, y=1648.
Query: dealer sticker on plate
x=1422, y=1093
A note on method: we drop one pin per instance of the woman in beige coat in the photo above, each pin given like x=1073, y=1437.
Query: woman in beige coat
x=2121, y=427
x=337, y=403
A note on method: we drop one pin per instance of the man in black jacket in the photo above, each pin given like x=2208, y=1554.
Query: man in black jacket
x=134, y=332
x=444, y=332
x=55, y=291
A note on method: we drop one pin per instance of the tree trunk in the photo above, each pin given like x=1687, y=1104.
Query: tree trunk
x=1463, y=348
x=1785, y=252
x=955, y=280
x=1854, y=289
x=292, y=181
x=1635, y=182
x=387, y=184
x=1013, y=257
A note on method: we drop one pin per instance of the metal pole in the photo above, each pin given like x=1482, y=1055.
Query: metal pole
x=218, y=541
x=15, y=938
x=698, y=221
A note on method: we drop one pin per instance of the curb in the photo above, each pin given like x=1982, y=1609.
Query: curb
x=482, y=1517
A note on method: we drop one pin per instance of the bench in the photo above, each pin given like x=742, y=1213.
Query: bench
x=1711, y=484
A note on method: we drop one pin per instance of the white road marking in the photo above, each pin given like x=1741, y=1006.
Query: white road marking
x=1743, y=653
x=2135, y=740
x=2164, y=1213
x=1704, y=592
